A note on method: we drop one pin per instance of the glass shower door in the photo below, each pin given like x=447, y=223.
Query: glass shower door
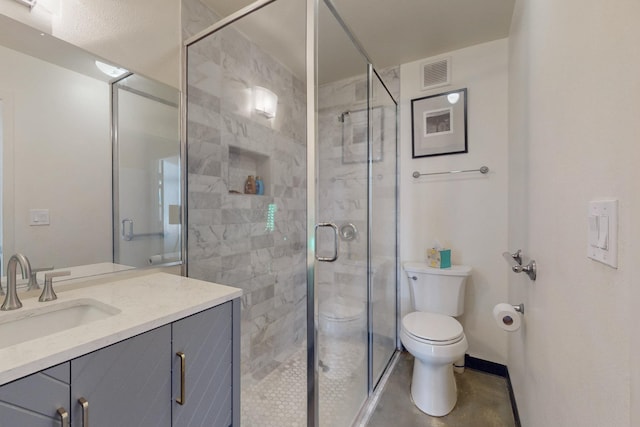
x=342, y=199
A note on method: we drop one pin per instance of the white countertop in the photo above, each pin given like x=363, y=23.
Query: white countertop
x=145, y=302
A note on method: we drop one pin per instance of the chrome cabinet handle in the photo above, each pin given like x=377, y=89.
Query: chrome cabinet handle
x=85, y=411
x=64, y=417
x=181, y=400
x=336, y=241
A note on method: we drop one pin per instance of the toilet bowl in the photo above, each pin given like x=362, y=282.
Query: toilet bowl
x=435, y=341
x=432, y=334
x=342, y=317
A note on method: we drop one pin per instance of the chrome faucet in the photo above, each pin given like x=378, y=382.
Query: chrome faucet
x=47, y=293
x=11, y=301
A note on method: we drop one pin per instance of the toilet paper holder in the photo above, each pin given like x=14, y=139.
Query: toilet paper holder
x=509, y=317
x=515, y=261
x=519, y=308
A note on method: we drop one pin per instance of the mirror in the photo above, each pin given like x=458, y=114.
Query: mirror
x=66, y=186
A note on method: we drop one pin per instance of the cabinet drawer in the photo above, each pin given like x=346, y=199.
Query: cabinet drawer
x=36, y=397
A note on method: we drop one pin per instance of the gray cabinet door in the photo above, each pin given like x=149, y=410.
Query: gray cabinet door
x=205, y=339
x=34, y=400
x=126, y=384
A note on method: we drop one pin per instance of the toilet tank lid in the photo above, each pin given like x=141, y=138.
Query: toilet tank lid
x=422, y=267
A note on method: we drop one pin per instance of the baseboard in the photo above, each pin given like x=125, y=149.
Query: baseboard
x=495, y=369
x=485, y=366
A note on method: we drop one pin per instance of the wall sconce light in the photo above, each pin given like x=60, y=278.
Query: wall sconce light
x=110, y=70
x=453, y=97
x=29, y=3
x=265, y=102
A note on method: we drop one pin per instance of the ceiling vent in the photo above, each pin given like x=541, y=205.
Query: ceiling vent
x=436, y=73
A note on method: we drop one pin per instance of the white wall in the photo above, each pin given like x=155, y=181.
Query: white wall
x=467, y=213
x=142, y=35
x=574, y=130
x=59, y=129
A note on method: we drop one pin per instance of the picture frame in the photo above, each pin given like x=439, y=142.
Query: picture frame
x=439, y=124
x=354, y=135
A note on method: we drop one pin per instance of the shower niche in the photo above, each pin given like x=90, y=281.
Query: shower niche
x=244, y=162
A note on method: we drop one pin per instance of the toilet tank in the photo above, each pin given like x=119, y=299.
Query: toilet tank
x=437, y=290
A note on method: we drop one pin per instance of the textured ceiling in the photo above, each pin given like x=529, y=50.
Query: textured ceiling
x=392, y=32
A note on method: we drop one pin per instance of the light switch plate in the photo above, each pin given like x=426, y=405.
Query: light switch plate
x=606, y=234
x=38, y=216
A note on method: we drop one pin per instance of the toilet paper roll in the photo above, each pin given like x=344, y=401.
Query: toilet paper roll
x=164, y=258
x=507, y=317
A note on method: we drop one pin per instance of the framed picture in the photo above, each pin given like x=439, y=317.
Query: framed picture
x=439, y=124
x=354, y=135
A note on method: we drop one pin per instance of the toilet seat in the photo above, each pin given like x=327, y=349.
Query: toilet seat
x=341, y=310
x=432, y=328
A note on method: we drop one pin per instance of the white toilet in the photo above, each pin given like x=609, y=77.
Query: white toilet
x=433, y=336
x=342, y=317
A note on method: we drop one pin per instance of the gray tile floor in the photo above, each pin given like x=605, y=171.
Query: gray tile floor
x=483, y=401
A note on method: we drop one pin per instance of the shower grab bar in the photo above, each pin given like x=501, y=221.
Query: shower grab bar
x=515, y=261
x=483, y=170
x=128, y=234
x=336, y=241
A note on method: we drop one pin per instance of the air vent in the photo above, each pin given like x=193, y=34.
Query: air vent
x=436, y=73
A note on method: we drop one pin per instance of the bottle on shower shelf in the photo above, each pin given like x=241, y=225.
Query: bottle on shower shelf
x=250, y=185
x=259, y=186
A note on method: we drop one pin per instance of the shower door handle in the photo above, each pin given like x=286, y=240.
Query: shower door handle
x=336, y=241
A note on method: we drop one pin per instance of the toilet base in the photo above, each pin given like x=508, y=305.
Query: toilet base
x=433, y=388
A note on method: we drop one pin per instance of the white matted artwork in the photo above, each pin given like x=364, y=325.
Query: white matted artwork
x=355, y=133
x=439, y=124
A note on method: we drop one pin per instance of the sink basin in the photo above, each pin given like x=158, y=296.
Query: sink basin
x=27, y=324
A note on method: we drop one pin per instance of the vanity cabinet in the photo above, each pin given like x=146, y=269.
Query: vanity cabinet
x=34, y=400
x=139, y=381
x=125, y=384
x=203, y=346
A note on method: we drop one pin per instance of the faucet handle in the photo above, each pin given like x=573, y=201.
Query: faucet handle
x=33, y=279
x=47, y=293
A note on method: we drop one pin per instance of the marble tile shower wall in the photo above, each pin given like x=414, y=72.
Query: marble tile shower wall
x=343, y=186
x=230, y=240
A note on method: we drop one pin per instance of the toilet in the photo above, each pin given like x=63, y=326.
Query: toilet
x=433, y=336
x=342, y=317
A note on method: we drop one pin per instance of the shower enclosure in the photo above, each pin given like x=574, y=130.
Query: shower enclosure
x=315, y=253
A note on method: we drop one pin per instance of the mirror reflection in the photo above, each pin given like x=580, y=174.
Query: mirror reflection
x=66, y=185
